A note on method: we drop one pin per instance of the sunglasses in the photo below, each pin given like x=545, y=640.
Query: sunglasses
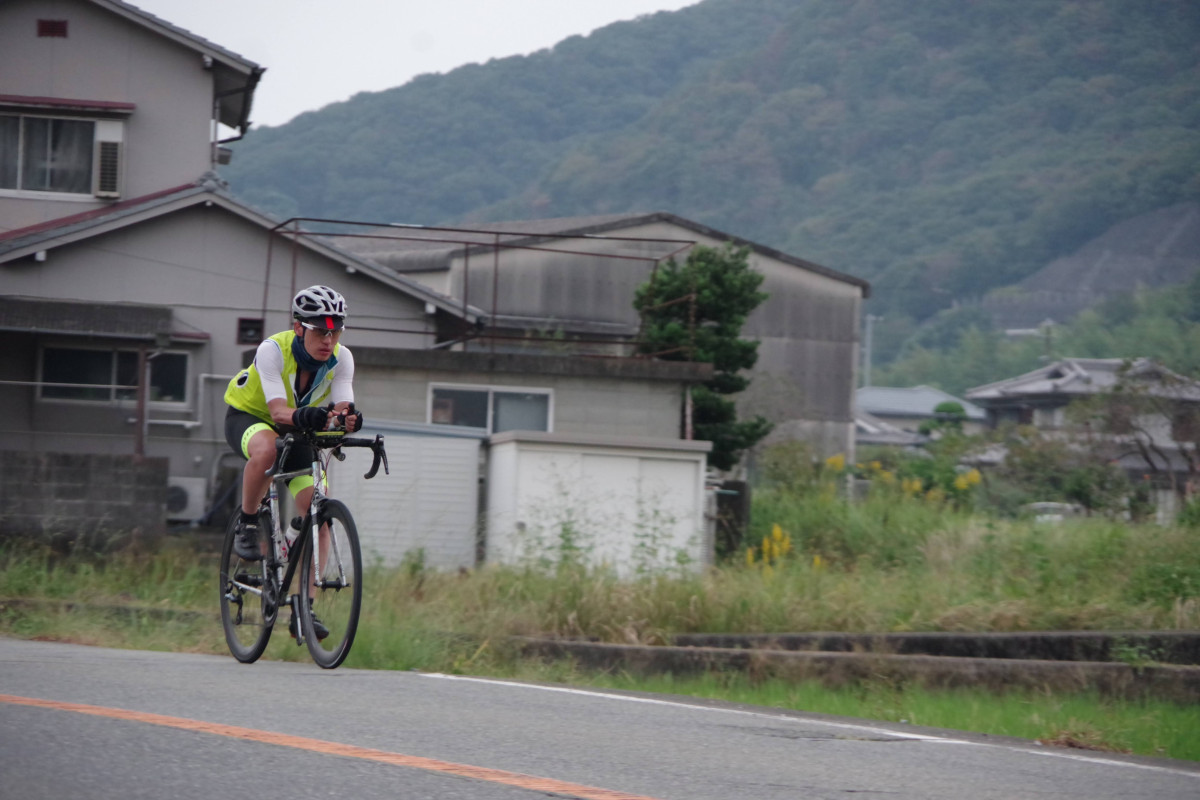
x=325, y=332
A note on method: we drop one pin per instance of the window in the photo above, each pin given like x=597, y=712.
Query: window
x=496, y=410
x=249, y=330
x=106, y=376
x=51, y=154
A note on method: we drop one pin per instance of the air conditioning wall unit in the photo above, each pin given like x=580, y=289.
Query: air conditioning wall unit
x=108, y=159
x=186, y=498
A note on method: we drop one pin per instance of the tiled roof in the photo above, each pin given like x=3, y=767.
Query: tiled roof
x=869, y=429
x=25, y=241
x=197, y=42
x=916, y=401
x=55, y=228
x=91, y=319
x=1079, y=377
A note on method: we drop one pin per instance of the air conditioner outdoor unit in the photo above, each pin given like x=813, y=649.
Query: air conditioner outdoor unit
x=107, y=179
x=186, y=499
x=107, y=158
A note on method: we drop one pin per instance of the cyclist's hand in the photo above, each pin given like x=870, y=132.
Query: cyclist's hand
x=310, y=417
x=349, y=419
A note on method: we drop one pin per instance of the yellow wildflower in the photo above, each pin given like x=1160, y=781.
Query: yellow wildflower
x=836, y=463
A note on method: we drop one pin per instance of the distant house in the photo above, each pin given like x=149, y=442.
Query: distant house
x=908, y=408
x=1040, y=397
x=1152, y=427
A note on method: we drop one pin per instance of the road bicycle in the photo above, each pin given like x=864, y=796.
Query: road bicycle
x=323, y=546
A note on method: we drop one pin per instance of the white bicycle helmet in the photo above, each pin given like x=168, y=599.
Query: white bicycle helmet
x=318, y=301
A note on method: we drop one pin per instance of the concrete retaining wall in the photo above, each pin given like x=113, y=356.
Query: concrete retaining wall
x=70, y=499
x=1177, y=683
x=1168, y=647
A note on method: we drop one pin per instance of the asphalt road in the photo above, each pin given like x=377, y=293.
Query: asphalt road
x=81, y=722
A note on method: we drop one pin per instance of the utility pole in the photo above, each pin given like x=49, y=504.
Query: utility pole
x=868, y=336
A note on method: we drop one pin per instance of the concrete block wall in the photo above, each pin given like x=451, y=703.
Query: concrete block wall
x=96, y=500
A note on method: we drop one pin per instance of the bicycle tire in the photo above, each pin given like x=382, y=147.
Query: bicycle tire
x=246, y=617
x=336, y=606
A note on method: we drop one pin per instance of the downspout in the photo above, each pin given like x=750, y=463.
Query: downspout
x=139, y=436
x=687, y=413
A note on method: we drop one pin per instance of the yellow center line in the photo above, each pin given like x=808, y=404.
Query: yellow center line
x=516, y=779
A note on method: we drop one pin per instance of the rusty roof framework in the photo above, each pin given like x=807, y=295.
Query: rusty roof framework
x=495, y=241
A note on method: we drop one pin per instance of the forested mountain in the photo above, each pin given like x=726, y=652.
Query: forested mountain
x=939, y=148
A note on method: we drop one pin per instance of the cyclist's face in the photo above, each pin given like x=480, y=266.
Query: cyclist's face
x=316, y=343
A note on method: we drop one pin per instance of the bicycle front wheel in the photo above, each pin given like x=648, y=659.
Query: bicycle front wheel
x=247, y=600
x=330, y=586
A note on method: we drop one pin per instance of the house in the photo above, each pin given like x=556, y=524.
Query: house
x=574, y=279
x=1150, y=424
x=909, y=408
x=101, y=101
x=1041, y=397
x=133, y=285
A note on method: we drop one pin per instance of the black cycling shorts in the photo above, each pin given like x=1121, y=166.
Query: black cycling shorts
x=237, y=432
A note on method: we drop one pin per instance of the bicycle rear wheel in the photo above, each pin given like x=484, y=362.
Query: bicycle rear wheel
x=248, y=605
x=334, y=596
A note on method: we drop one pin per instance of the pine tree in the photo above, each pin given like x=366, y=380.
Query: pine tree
x=695, y=312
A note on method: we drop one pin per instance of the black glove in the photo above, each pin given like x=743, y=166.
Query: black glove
x=310, y=417
x=350, y=419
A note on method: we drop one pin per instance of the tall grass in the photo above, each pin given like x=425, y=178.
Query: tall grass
x=868, y=567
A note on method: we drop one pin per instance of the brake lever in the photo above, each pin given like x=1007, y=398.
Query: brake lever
x=380, y=455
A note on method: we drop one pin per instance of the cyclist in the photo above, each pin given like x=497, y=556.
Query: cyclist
x=295, y=376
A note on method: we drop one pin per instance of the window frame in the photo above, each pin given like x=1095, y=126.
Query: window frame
x=104, y=129
x=492, y=390
x=113, y=388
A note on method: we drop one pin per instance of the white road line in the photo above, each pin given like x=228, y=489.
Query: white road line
x=866, y=729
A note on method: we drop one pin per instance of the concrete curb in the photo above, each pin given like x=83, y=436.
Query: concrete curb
x=1160, y=647
x=1176, y=683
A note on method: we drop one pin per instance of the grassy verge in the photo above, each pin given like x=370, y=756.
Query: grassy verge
x=854, y=568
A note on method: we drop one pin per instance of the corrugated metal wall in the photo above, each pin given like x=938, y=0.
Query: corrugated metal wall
x=808, y=327
x=429, y=502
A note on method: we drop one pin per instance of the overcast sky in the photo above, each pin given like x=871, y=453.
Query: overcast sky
x=320, y=51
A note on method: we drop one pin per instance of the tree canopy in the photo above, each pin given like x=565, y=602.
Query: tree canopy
x=695, y=312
